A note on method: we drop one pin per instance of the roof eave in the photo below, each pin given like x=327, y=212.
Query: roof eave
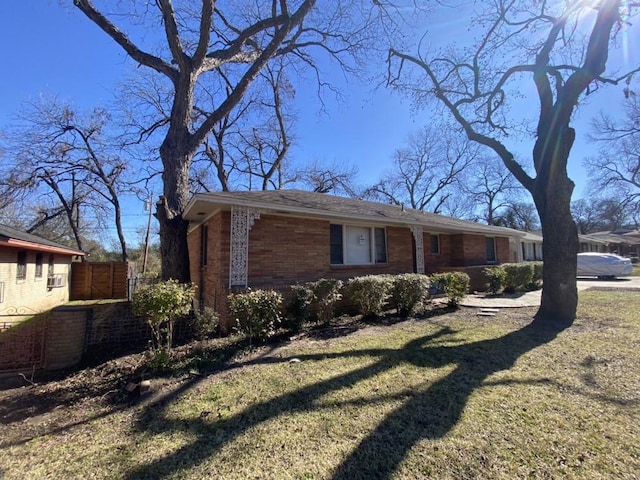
x=15, y=243
x=201, y=206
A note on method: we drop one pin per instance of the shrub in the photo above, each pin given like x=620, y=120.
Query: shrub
x=161, y=303
x=409, y=291
x=369, y=292
x=518, y=276
x=298, y=308
x=454, y=284
x=536, y=282
x=326, y=293
x=158, y=360
x=496, y=277
x=257, y=312
x=205, y=323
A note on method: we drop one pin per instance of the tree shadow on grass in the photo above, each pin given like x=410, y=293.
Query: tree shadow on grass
x=426, y=414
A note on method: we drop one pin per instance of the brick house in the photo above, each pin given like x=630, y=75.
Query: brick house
x=273, y=239
x=34, y=274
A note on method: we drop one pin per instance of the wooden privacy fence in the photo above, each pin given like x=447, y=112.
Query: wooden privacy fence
x=98, y=280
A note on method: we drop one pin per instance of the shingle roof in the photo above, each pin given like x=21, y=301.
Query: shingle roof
x=611, y=237
x=330, y=206
x=9, y=233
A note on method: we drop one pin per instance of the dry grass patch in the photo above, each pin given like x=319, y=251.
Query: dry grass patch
x=453, y=396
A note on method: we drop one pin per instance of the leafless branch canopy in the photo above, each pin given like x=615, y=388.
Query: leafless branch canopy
x=548, y=42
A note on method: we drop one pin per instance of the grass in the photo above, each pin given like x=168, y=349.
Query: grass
x=451, y=396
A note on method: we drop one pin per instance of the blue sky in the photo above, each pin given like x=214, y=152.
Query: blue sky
x=55, y=49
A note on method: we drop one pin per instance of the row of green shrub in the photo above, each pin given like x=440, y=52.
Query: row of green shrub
x=514, y=277
x=258, y=313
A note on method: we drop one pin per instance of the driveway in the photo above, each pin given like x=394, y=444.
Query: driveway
x=532, y=299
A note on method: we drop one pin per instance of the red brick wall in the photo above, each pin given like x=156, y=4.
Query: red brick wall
x=434, y=261
x=503, y=253
x=463, y=250
x=212, y=279
x=285, y=250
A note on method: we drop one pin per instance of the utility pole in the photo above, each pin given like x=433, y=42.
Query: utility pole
x=148, y=206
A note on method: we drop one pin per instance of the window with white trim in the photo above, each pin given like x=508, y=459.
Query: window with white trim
x=357, y=245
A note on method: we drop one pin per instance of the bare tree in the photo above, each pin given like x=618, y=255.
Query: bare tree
x=616, y=168
x=563, y=47
x=492, y=186
x=220, y=48
x=71, y=156
x=334, y=177
x=426, y=169
x=520, y=216
x=596, y=214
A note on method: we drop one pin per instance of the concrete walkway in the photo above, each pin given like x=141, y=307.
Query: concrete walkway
x=532, y=299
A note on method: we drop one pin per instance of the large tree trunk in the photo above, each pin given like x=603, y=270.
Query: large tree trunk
x=176, y=156
x=552, y=195
x=174, y=251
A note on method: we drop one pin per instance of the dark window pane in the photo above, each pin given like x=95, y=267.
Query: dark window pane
x=491, y=249
x=381, y=245
x=22, y=266
x=204, y=245
x=435, y=244
x=39, y=265
x=335, y=241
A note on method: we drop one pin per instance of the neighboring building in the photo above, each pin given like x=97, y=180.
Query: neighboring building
x=273, y=239
x=34, y=274
x=621, y=242
x=531, y=246
x=588, y=243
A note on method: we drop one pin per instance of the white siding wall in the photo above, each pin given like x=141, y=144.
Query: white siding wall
x=23, y=298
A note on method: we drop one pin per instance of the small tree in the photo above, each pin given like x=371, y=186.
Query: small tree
x=161, y=303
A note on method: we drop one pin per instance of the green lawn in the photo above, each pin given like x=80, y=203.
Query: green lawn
x=450, y=396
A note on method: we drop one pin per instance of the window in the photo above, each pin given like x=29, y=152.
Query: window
x=435, y=244
x=335, y=242
x=22, y=265
x=491, y=249
x=39, y=257
x=50, y=268
x=356, y=245
x=381, y=245
x=204, y=245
